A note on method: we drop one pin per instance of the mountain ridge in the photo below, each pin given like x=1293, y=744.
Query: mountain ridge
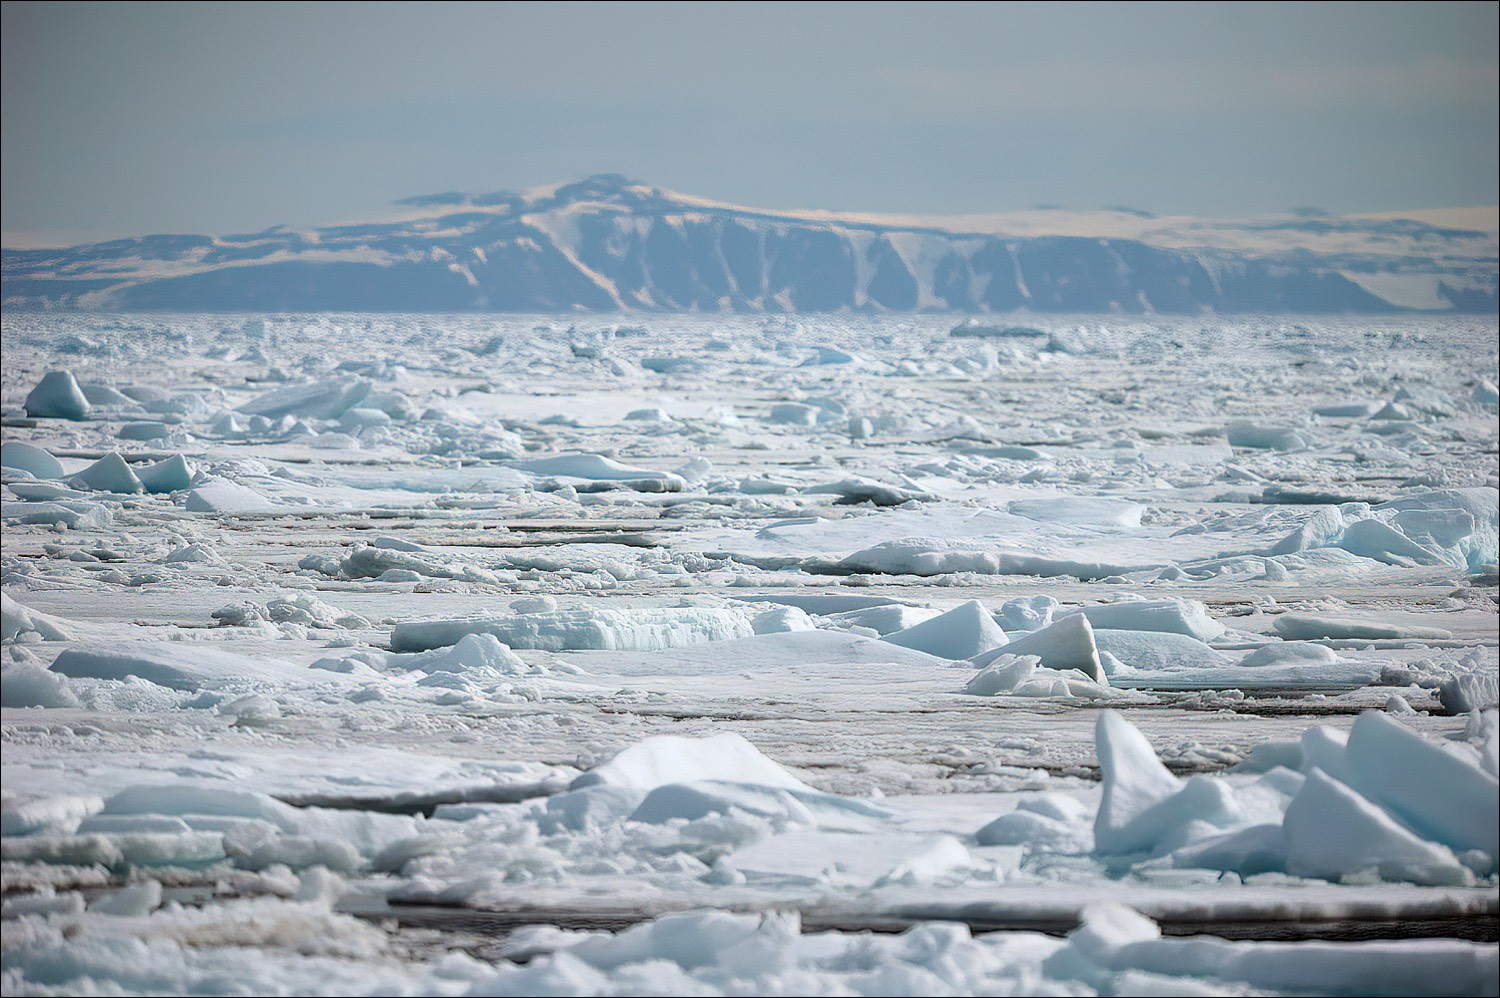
x=606, y=243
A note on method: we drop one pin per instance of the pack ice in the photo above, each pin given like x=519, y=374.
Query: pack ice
x=822, y=653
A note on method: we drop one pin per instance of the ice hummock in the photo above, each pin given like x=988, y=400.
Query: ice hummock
x=1067, y=643
x=57, y=396
x=109, y=474
x=33, y=460
x=665, y=759
x=170, y=474
x=218, y=495
x=965, y=631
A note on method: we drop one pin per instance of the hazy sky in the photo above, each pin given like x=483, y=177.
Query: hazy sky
x=131, y=118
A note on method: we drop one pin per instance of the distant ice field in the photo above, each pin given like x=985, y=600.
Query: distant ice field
x=825, y=654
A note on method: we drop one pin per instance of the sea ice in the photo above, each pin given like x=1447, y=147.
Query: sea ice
x=30, y=458
x=636, y=630
x=57, y=396
x=597, y=468
x=856, y=490
x=966, y=631
x=172, y=474
x=176, y=665
x=218, y=495
x=1068, y=643
x=19, y=620
x=1332, y=831
x=109, y=474
x=1290, y=653
x=1170, y=616
x=668, y=759
x=143, y=431
x=318, y=399
x=1308, y=627
x=924, y=556
x=1085, y=511
x=1157, y=650
x=34, y=686
x=696, y=595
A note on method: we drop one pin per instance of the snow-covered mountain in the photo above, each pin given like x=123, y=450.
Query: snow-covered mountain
x=608, y=243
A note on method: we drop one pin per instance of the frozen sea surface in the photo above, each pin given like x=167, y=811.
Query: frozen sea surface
x=734, y=655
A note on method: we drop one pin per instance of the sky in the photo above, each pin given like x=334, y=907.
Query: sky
x=131, y=118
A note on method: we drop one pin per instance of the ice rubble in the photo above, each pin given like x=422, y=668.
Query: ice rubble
x=883, y=620
x=1384, y=800
x=1457, y=527
x=1262, y=436
x=388, y=562
x=1115, y=950
x=181, y=825
x=692, y=800
x=666, y=779
x=17, y=622
x=1290, y=653
x=1156, y=651
x=1024, y=676
x=1028, y=613
x=802, y=838
x=73, y=514
x=288, y=608
x=1114, y=939
x=143, y=431
x=1407, y=825
x=31, y=685
x=1469, y=684
x=106, y=395
x=1135, y=783
x=782, y=620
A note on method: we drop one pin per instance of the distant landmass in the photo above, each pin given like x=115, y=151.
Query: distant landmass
x=611, y=244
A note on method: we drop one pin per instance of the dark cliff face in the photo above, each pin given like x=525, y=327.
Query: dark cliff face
x=606, y=244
